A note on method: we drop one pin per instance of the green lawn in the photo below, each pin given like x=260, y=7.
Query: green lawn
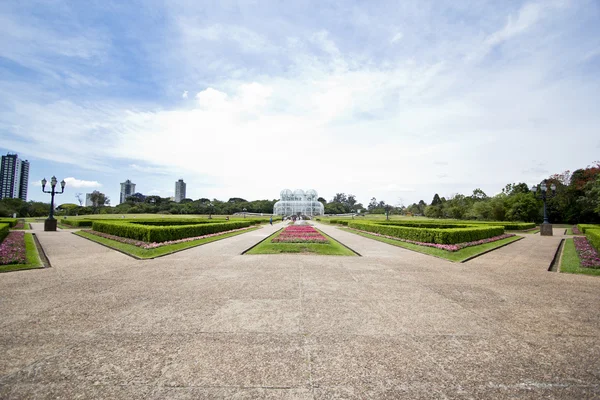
x=570, y=261
x=33, y=258
x=157, y=252
x=569, y=231
x=333, y=248
x=455, y=256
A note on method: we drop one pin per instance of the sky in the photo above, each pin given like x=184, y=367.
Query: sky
x=396, y=100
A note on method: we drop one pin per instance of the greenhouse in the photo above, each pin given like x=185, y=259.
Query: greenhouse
x=299, y=203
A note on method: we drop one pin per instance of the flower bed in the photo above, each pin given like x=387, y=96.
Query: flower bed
x=154, y=245
x=576, y=230
x=588, y=256
x=447, y=247
x=19, y=225
x=12, y=249
x=300, y=234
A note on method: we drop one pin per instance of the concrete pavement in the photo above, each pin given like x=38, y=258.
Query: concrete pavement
x=212, y=323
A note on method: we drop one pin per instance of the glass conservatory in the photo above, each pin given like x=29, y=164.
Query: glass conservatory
x=298, y=202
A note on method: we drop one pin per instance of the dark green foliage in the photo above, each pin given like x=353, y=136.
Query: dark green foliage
x=12, y=222
x=3, y=231
x=450, y=235
x=511, y=226
x=149, y=233
x=593, y=236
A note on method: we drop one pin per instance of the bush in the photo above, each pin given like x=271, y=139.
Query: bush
x=149, y=233
x=77, y=222
x=509, y=226
x=12, y=222
x=593, y=236
x=584, y=227
x=451, y=235
x=4, y=229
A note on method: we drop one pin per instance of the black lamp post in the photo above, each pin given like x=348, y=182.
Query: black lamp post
x=50, y=223
x=244, y=210
x=546, y=227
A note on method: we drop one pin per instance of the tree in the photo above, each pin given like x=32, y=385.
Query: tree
x=79, y=197
x=436, y=200
x=98, y=199
x=372, y=204
x=322, y=200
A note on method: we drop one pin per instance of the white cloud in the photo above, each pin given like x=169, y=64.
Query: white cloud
x=184, y=95
x=79, y=183
x=397, y=37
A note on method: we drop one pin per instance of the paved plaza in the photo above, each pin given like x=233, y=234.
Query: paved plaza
x=210, y=323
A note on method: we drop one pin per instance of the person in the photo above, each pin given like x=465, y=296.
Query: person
x=271, y=220
x=227, y=218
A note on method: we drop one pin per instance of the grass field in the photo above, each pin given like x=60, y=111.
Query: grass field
x=333, y=248
x=454, y=256
x=570, y=261
x=33, y=258
x=159, y=251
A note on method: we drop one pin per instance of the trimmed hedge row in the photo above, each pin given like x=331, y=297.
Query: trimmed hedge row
x=431, y=235
x=583, y=228
x=593, y=236
x=152, y=234
x=12, y=222
x=509, y=226
x=3, y=230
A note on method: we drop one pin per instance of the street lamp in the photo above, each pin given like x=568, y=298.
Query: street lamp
x=50, y=223
x=546, y=227
x=244, y=210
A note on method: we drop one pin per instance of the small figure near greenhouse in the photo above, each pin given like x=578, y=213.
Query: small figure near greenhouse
x=271, y=220
x=227, y=218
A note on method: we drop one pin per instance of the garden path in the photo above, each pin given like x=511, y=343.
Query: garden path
x=211, y=323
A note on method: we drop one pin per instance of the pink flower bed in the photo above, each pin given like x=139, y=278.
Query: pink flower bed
x=447, y=247
x=12, y=249
x=300, y=234
x=588, y=256
x=576, y=230
x=155, y=245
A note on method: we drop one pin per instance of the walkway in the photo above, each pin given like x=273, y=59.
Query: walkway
x=212, y=323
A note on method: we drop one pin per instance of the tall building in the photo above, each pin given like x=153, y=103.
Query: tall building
x=179, y=190
x=127, y=189
x=14, y=177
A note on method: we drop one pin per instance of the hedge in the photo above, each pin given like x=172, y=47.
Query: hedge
x=431, y=235
x=584, y=227
x=509, y=226
x=12, y=222
x=152, y=234
x=4, y=229
x=593, y=236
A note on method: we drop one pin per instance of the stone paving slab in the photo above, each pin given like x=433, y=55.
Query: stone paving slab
x=210, y=322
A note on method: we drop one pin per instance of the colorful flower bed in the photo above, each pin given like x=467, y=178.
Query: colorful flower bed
x=576, y=230
x=12, y=249
x=300, y=234
x=588, y=256
x=19, y=225
x=447, y=247
x=155, y=245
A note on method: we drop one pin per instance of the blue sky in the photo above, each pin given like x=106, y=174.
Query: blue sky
x=386, y=99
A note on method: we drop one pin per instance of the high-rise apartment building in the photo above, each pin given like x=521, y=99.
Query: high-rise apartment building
x=179, y=190
x=127, y=189
x=14, y=177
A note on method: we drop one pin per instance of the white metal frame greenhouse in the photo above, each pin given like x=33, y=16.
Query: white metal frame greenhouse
x=298, y=202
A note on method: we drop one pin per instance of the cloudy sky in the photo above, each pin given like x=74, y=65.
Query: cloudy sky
x=389, y=99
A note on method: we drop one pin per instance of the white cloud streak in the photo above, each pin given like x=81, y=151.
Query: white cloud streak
x=80, y=183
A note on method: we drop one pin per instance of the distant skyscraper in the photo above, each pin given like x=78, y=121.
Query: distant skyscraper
x=14, y=177
x=179, y=190
x=127, y=189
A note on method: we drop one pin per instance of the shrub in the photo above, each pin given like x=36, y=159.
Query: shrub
x=431, y=235
x=593, y=236
x=12, y=222
x=3, y=230
x=149, y=233
x=584, y=227
x=78, y=222
x=510, y=226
